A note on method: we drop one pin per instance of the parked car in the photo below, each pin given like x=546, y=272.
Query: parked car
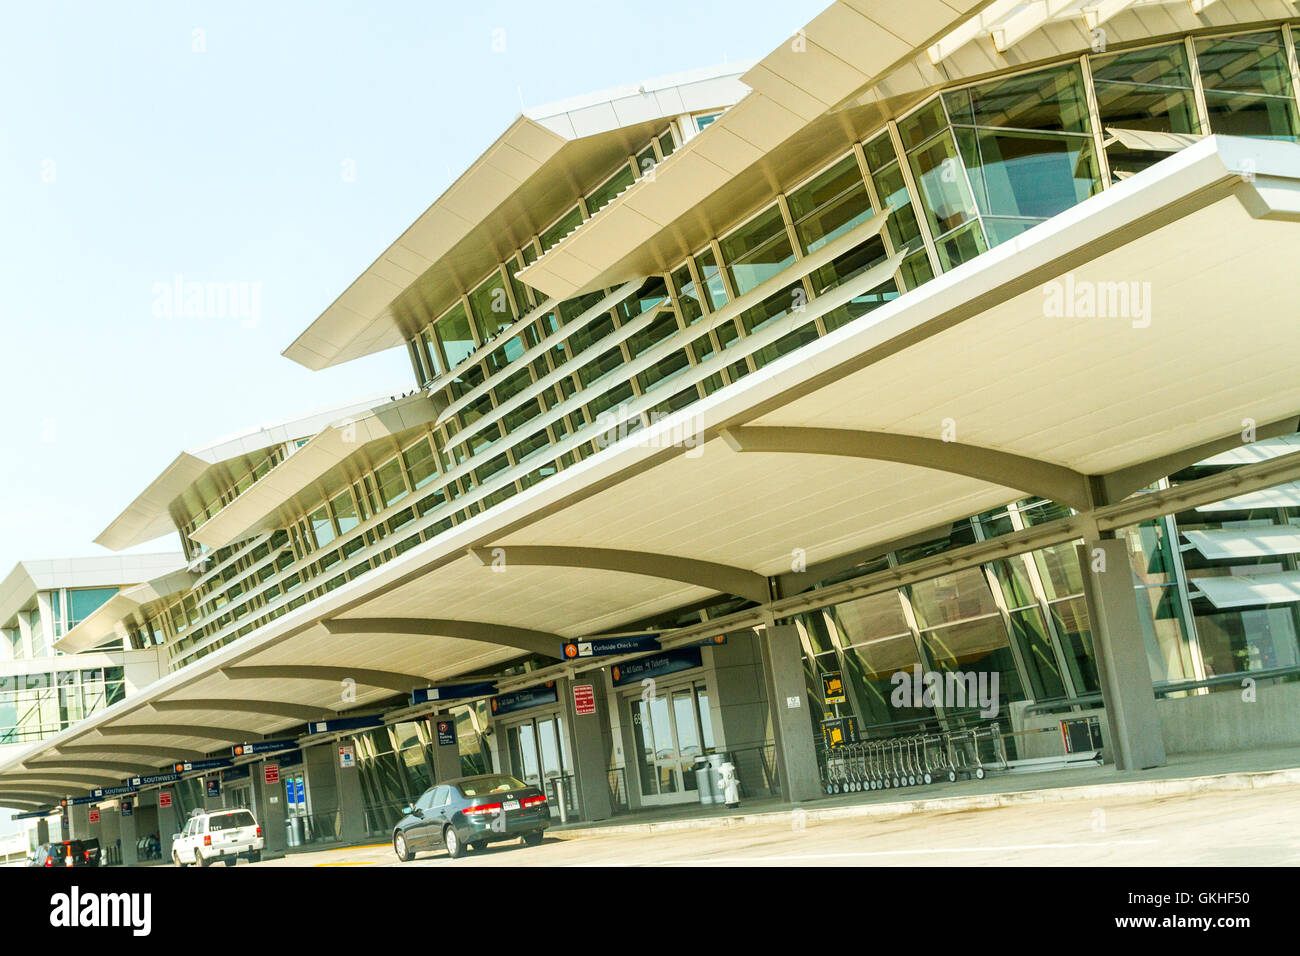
x=212, y=835
x=58, y=854
x=470, y=813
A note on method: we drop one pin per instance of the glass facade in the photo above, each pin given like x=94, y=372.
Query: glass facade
x=1025, y=617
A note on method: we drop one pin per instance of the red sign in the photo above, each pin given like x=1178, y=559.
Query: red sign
x=94, y=814
x=273, y=773
x=164, y=798
x=584, y=699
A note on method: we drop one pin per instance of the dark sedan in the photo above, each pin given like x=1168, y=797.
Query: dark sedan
x=471, y=812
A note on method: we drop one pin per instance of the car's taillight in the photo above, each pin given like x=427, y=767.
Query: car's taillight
x=49, y=861
x=207, y=839
x=259, y=831
x=532, y=801
x=481, y=808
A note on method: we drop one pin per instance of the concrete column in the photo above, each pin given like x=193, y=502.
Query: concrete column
x=1115, y=618
x=739, y=707
x=79, y=821
x=351, y=798
x=126, y=831
x=270, y=810
x=446, y=757
x=588, y=751
x=792, y=727
x=111, y=830
x=168, y=823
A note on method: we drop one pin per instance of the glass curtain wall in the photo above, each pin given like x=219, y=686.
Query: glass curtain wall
x=396, y=766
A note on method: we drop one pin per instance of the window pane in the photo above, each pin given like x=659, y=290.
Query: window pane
x=453, y=331
x=491, y=307
x=757, y=251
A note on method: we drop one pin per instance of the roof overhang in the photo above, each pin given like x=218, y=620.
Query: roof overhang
x=261, y=507
x=149, y=516
x=105, y=623
x=533, y=172
x=798, y=113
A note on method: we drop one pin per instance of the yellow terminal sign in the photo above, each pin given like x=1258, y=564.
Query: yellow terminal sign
x=833, y=687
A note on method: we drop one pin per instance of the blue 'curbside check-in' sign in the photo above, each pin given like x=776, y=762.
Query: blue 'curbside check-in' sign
x=262, y=747
x=606, y=646
x=656, y=665
x=213, y=763
x=523, y=699
x=425, y=695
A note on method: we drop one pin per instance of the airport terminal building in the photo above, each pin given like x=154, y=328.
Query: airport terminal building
x=947, y=338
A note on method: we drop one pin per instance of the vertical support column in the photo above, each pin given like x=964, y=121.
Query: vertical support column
x=111, y=833
x=446, y=757
x=352, y=802
x=79, y=821
x=168, y=823
x=270, y=810
x=587, y=750
x=42, y=831
x=791, y=723
x=126, y=831
x=1122, y=665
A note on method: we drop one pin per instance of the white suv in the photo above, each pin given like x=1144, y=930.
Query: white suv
x=211, y=835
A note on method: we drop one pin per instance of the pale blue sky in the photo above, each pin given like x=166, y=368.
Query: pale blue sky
x=128, y=157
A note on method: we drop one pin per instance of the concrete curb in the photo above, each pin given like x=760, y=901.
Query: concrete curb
x=1180, y=786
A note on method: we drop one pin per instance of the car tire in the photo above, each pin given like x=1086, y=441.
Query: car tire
x=176, y=858
x=533, y=839
x=401, y=847
x=455, y=848
x=255, y=856
x=202, y=860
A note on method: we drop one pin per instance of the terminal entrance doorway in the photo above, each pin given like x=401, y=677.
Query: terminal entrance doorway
x=237, y=794
x=670, y=731
x=538, y=756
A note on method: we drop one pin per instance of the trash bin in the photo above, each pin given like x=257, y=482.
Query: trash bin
x=705, y=781
x=706, y=777
x=293, y=831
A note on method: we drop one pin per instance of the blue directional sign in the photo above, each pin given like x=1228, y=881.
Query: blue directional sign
x=262, y=747
x=343, y=723
x=656, y=665
x=425, y=695
x=605, y=646
x=212, y=763
x=523, y=699
x=154, y=778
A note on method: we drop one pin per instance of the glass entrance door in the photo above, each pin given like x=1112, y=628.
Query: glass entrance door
x=671, y=731
x=539, y=757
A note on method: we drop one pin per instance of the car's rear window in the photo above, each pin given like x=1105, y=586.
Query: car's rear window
x=490, y=783
x=230, y=821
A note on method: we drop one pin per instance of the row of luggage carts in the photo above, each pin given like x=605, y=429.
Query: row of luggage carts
x=914, y=761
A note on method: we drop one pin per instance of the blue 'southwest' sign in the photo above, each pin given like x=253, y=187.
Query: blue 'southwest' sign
x=154, y=778
x=523, y=699
x=424, y=695
x=605, y=646
x=656, y=665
